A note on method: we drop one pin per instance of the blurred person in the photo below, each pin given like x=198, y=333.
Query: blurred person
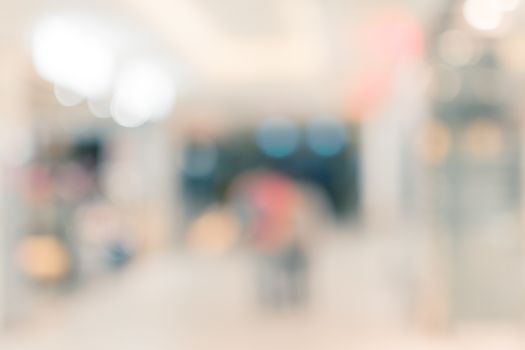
x=268, y=205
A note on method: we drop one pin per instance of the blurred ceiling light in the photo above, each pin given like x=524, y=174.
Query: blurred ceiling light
x=145, y=90
x=100, y=108
x=457, y=48
x=67, y=97
x=72, y=53
x=505, y=5
x=482, y=14
x=278, y=137
x=326, y=136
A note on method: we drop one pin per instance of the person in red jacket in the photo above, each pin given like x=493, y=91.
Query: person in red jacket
x=269, y=203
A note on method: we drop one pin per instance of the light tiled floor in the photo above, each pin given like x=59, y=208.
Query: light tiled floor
x=182, y=302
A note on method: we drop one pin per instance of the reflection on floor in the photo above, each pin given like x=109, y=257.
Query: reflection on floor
x=360, y=301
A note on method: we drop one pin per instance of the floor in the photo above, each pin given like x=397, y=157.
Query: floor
x=178, y=301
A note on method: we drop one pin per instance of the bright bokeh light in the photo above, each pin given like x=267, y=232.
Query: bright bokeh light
x=145, y=90
x=100, y=108
x=326, y=137
x=67, y=97
x=506, y=5
x=214, y=233
x=43, y=258
x=482, y=14
x=72, y=53
x=278, y=137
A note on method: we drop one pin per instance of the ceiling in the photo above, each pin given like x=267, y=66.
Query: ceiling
x=249, y=47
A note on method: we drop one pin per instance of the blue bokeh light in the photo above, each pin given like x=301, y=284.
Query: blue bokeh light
x=278, y=137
